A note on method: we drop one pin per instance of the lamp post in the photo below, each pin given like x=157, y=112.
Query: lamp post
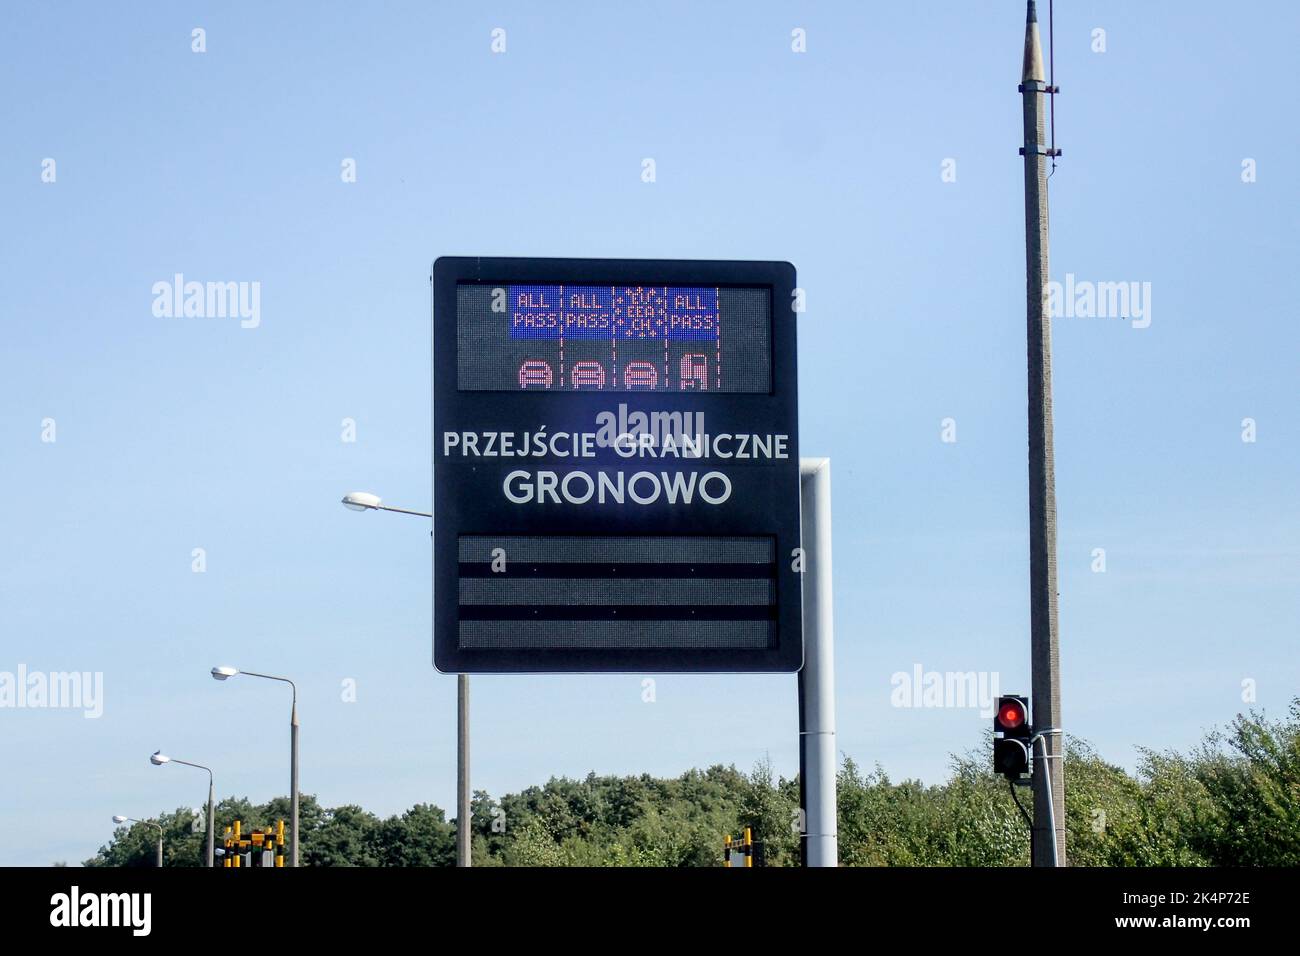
x=225, y=673
x=365, y=501
x=157, y=758
x=117, y=818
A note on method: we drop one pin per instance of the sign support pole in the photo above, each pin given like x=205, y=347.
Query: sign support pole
x=463, y=855
x=817, y=753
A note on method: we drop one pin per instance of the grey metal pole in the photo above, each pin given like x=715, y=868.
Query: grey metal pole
x=817, y=754
x=463, y=854
x=462, y=723
x=293, y=780
x=1048, y=777
x=158, y=859
x=402, y=511
x=222, y=674
x=159, y=759
x=212, y=809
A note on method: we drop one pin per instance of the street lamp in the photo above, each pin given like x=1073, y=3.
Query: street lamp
x=158, y=758
x=117, y=818
x=224, y=673
x=365, y=501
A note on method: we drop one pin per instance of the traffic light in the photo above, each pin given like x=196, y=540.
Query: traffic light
x=1011, y=737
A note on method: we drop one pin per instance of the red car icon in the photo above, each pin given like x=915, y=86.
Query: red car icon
x=588, y=375
x=535, y=373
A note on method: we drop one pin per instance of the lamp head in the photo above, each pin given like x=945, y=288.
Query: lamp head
x=157, y=758
x=361, y=500
x=222, y=673
x=119, y=819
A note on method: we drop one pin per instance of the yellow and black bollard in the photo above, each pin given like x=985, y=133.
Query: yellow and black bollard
x=744, y=848
x=257, y=848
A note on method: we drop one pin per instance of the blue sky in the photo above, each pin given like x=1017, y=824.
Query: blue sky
x=175, y=434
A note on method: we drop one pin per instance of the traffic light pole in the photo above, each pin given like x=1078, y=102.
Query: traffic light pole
x=1053, y=845
x=817, y=764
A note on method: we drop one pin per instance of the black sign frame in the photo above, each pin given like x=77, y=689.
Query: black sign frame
x=467, y=493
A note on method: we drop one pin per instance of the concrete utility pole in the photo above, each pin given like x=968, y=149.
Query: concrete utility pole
x=1045, y=653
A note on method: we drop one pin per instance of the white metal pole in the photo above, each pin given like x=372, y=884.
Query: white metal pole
x=464, y=856
x=817, y=750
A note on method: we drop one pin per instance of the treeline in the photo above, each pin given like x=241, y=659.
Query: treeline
x=1232, y=800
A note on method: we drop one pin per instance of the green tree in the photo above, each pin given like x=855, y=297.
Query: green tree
x=1232, y=800
x=346, y=836
x=1251, y=775
x=419, y=837
x=771, y=811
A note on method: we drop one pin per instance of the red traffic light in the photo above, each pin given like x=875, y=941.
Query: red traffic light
x=1011, y=736
x=1011, y=714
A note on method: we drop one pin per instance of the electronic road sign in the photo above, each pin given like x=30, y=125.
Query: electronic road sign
x=616, y=466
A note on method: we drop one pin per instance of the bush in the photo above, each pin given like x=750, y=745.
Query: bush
x=1234, y=800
